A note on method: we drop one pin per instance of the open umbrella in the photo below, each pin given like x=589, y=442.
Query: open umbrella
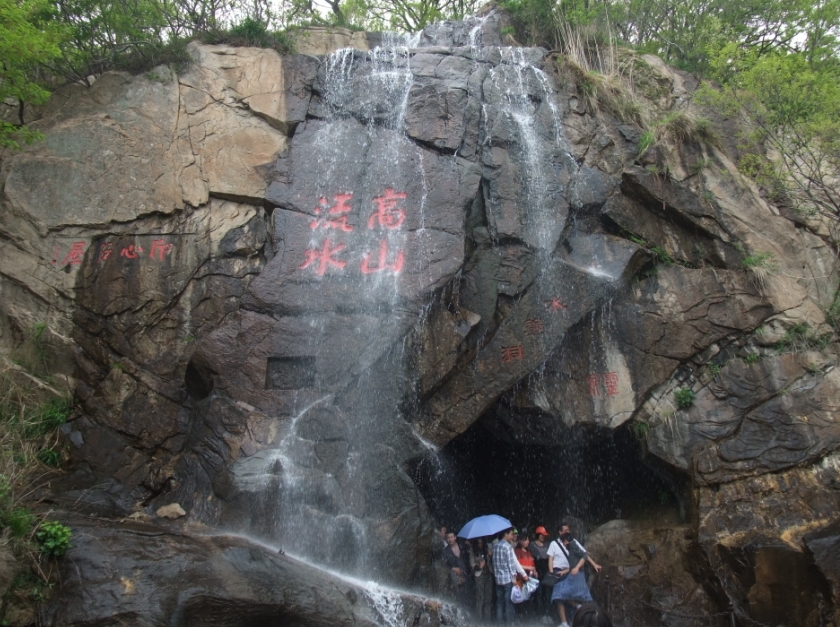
x=484, y=526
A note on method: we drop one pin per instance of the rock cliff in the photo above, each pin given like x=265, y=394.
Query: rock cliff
x=277, y=287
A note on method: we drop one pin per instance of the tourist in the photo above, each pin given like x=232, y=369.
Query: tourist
x=442, y=532
x=565, y=528
x=456, y=558
x=505, y=568
x=590, y=615
x=523, y=555
x=526, y=560
x=483, y=579
x=566, y=560
x=539, y=549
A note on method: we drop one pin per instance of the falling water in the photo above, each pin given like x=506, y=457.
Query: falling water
x=361, y=153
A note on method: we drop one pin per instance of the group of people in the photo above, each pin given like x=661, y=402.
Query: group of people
x=486, y=568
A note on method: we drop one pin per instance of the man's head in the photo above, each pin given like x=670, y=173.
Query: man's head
x=450, y=538
x=564, y=532
x=443, y=531
x=508, y=534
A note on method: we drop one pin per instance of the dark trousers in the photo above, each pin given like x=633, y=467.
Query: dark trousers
x=505, y=609
x=543, y=600
x=484, y=596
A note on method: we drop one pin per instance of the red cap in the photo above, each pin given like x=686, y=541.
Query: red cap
x=541, y=531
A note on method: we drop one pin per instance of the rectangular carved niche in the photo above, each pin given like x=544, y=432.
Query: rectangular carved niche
x=289, y=373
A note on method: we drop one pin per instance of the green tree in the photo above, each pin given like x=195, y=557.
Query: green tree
x=29, y=38
x=790, y=105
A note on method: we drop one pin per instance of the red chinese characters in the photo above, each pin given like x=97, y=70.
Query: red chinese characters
x=105, y=251
x=323, y=257
x=610, y=380
x=534, y=326
x=387, y=214
x=382, y=263
x=555, y=304
x=512, y=353
x=611, y=383
x=131, y=251
x=339, y=210
x=76, y=254
x=160, y=249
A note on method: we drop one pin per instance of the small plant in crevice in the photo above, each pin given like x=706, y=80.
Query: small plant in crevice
x=640, y=430
x=49, y=417
x=646, y=141
x=698, y=166
x=53, y=538
x=801, y=337
x=662, y=256
x=759, y=260
x=18, y=520
x=684, y=397
x=714, y=369
x=49, y=457
x=762, y=265
x=678, y=126
x=752, y=358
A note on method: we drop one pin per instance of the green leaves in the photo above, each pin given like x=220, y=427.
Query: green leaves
x=53, y=538
x=684, y=397
x=29, y=37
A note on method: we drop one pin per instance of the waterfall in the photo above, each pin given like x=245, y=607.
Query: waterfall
x=369, y=224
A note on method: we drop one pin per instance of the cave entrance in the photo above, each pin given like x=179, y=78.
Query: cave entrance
x=586, y=473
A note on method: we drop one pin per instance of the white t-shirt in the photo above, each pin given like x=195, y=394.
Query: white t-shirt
x=560, y=560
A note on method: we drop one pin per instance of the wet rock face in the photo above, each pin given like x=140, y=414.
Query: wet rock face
x=649, y=575
x=143, y=575
x=309, y=272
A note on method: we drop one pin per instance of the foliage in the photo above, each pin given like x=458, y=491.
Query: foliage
x=29, y=37
x=762, y=265
x=752, y=358
x=18, y=520
x=49, y=457
x=801, y=337
x=640, y=430
x=789, y=106
x=759, y=260
x=548, y=23
x=53, y=538
x=30, y=413
x=684, y=397
x=678, y=126
x=646, y=142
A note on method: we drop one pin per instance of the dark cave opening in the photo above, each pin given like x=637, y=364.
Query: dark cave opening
x=595, y=475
